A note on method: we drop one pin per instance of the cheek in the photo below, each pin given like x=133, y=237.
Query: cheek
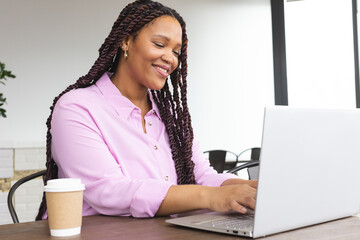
x=176, y=64
x=151, y=53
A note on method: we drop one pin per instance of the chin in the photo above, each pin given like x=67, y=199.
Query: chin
x=158, y=86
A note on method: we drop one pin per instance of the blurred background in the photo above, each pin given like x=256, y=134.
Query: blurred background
x=49, y=44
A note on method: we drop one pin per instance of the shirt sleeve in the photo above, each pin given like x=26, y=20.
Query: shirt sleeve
x=204, y=173
x=80, y=151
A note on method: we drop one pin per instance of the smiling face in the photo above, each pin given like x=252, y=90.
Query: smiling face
x=153, y=53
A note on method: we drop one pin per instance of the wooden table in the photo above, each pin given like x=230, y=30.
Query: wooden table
x=108, y=228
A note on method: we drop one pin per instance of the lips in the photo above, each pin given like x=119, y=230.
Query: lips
x=162, y=70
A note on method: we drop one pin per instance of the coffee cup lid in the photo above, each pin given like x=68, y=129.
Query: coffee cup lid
x=64, y=185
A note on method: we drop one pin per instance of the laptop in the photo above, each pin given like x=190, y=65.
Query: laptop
x=309, y=173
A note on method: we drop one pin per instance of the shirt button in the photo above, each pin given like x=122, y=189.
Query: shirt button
x=150, y=123
x=156, y=147
x=166, y=178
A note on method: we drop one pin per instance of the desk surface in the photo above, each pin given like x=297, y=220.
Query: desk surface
x=105, y=227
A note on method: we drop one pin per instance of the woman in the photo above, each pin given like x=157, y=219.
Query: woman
x=128, y=136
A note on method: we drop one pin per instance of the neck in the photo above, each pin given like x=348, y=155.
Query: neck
x=138, y=95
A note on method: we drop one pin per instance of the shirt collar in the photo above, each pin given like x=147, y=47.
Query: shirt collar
x=154, y=106
x=122, y=105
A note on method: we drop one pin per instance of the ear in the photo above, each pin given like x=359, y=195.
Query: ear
x=126, y=42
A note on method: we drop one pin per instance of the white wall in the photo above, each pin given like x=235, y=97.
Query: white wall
x=48, y=44
x=320, y=53
x=230, y=71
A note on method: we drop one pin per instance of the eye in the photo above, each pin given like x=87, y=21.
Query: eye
x=159, y=44
x=177, y=53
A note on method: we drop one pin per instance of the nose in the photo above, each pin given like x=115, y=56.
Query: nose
x=168, y=57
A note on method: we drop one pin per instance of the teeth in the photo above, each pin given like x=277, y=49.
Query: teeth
x=161, y=69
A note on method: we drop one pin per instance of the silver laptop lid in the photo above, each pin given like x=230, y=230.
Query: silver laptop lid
x=309, y=168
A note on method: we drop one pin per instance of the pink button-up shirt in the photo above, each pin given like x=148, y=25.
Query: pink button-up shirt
x=97, y=136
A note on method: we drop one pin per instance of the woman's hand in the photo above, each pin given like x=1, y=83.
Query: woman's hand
x=234, y=194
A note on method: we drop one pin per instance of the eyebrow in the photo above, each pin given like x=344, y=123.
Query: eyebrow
x=166, y=38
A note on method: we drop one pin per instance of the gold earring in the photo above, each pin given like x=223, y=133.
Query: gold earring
x=125, y=51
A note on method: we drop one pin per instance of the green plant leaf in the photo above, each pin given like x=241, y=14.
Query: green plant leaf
x=2, y=112
x=2, y=99
x=4, y=74
x=8, y=74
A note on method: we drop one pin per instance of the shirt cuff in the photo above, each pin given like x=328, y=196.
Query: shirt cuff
x=148, y=198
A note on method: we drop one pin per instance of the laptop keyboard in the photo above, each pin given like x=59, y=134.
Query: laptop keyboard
x=234, y=222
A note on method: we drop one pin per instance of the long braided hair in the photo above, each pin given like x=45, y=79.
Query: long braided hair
x=172, y=104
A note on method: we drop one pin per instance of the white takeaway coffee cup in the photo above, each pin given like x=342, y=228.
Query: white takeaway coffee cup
x=64, y=199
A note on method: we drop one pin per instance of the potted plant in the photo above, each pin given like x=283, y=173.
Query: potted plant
x=4, y=74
